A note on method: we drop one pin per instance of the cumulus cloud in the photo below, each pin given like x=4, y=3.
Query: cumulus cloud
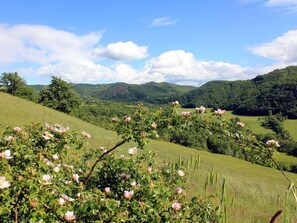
x=122, y=51
x=182, y=67
x=163, y=21
x=283, y=49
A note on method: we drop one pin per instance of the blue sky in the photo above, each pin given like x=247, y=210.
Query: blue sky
x=137, y=41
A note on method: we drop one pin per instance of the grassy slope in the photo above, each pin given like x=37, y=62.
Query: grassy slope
x=252, y=190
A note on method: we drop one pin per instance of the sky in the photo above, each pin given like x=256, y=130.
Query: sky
x=187, y=42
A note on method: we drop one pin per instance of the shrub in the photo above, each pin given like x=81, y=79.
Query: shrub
x=40, y=182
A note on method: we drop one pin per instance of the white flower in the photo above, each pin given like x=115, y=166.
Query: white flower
x=4, y=183
x=107, y=190
x=132, y=151
x=6, y=154
x=56, y=169
x=272, y=143
x=61, y=201
x=55, y=156
x=149, y=169
x=179, y=190
x=17, y=129
x=240, y=124
x=46, y=179
x=64, y=196
x=69, y=216
x=75, y=177
x=47, y=136
x=185, y=114
x=85, y=134
x=127, y=119
x=128, y=194
x=133, y=184
x=9, y=138
x=201, y=109
x=220, y=111
x=181, y=173
x=68, y=182
x=176, y=206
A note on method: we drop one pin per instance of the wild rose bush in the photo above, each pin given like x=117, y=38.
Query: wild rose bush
x=193, y=129
x=40, y=182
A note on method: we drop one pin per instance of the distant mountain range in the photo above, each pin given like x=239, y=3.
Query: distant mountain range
x=275, y=91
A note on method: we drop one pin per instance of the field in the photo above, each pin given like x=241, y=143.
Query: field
x=253, y=193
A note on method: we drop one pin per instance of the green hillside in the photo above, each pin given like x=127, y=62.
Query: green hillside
x=254, y=193
x=152, y=92
x=275, y=91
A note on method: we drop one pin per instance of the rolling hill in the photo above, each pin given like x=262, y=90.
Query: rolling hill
x=253, y=193
x=151, y=92
x=275, y=91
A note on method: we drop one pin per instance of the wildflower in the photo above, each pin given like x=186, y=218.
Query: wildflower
x=69, y=216
x=181, y=173
x=6, y=154
x=75, y=177
x=201, y=109
x=55, y=156
x=49, y=163
x=4, y=183
x=61, y=201
x=64, y=196
x=47, y=135
x=179, y=190
x=107, y=190
x=86, y=135
x=128, y=194
x=127, y=119
x=125, y=176
x=56, y=169
x=176, y=206
x=154, y=125
x=186, y=114
x=132, y=151
x=272, y=143
x=133, y=184
x=220, y=111
x=68, y=182
x=175, y=103
x=240, y=124
x=46, y=179
x=17, y=129
x=9, y=138
x=149, y=169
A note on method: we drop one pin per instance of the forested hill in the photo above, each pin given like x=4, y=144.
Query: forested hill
x=275, y=91
x=151, y=92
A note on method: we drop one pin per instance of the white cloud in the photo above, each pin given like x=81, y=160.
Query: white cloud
x=287, y=5
x=43, y=44
x=163, y=21
x=122, y=51
x=180, y=66
x=283, y=49
x=44, y=51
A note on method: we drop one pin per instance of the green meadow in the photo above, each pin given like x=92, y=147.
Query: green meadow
x=253, y=193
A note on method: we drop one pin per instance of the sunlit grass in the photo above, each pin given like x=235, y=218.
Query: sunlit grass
x=254, y=193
